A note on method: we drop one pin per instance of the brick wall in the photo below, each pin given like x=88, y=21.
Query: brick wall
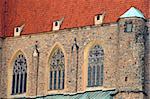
x=147, y=59
x=122, y=59
x=3, y=72
x=106, y=36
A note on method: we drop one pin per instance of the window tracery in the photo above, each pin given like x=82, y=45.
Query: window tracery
x=95, y=66
x=57, y=71
x=19, y=75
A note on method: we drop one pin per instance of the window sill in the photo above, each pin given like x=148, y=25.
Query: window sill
x=22, y=95
x=57, y=91
x=99, y=88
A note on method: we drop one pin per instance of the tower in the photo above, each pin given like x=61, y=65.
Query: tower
x=131, y=55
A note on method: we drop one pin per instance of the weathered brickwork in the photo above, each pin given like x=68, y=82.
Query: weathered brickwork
x=105, y=36
x=123, y=59
x=130, y=96
x=131, y=57
x=3, y=73
x=147, y=65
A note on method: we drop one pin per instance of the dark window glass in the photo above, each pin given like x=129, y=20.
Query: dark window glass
x=17, y=29
x=55, y=75
x=102, y=77
x=51, y=76
x=93, y=83
x=63, y=80
x=13, y=84
x=59, y=76
x=89, y=76
x=56, y=23
x=17, y=83
x=21, y=80
x=98, y=76
x=98, y=17
x=25, y=80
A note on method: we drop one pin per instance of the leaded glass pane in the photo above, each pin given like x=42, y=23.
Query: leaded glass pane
x=19, y=75
x=51, y=76
x=25, y=80
x=55, y=75
x=57, y=64
x=89, y=76
x=95, y=66
x=63, y=80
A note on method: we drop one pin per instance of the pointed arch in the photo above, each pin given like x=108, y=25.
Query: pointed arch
x=19, y=73
x=57, y=68
x=93, y=67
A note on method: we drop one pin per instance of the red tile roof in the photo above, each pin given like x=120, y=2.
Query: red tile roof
x=1, y=13
x=38, y=15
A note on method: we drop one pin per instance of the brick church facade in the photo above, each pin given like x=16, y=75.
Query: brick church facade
x=75, y=49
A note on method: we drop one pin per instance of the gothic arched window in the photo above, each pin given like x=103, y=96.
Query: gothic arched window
x=95, y=66
x=19, y=78
x=57, y=70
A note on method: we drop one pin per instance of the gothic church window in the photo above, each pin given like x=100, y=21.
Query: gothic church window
x=19, y=78
x=95, y=66
x=57, y=71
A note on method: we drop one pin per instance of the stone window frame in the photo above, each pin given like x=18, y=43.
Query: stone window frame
x=57, y=70
x=86, y=50
x=96, y=53
x=128, y=27
x=52, y=49
x=10, y=75
x=19, y=81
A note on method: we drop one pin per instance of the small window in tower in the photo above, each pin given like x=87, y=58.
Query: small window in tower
x=128, y=27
